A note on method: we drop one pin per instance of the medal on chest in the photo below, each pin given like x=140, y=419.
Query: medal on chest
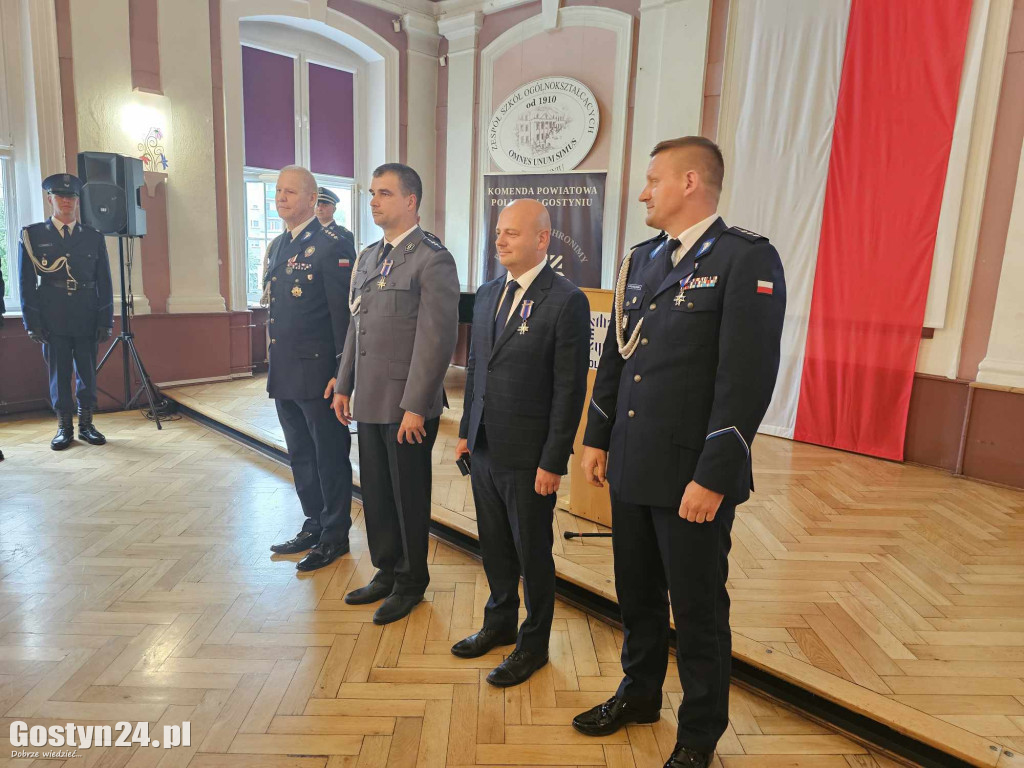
x=385, y=270
x=525, y=309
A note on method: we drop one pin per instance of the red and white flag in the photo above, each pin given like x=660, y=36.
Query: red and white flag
x=837, y=121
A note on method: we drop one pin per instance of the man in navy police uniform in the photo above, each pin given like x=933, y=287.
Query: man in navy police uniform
x=67, y=305
x=309, y=267
x=686, y=375
x=529, y=359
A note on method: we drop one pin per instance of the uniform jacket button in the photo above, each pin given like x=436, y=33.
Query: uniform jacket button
x=636, y=377
x=632, y=414
x=273, y=341
x=362, y=352
x=643, y=342
x=689, y=305
x=273, y=279
x=653, y=306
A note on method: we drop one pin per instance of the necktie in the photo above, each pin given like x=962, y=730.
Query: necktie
x=662, y=264
x=501, y=319
x=64, y=231
x=388, y=247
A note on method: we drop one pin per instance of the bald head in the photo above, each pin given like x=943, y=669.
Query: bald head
x=296, y=195
x=522, y=236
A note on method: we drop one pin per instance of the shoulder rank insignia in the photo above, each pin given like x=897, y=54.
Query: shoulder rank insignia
x=746, y=234
x=329, y=231
x=660, y=236
x=431, y=240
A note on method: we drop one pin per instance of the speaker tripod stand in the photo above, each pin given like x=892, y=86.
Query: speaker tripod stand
x=129, y=353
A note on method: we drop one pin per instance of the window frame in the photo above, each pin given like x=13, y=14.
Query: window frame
x=12, y=278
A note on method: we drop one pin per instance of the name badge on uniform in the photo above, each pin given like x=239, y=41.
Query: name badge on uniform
x=385, y=270
x=524, y=312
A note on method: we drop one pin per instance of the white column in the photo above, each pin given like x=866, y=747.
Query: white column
x=421, y=132
x=462, y=32
x=671, y=58
x=185, y=75
x=103, y=88
x=1004, y=360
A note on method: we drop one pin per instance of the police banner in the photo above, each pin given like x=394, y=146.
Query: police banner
x=576, y=204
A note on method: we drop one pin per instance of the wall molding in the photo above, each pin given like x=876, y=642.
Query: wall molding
x=617, y=22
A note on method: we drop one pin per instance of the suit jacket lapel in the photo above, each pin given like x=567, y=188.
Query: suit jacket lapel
x=537, y=292
x=686, y=264
x=492, y=313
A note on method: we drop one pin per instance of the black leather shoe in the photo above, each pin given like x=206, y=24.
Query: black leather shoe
x=610, y=716
x=65, y=432
x=371, y=593
x=323, y=554
x=684, y=757
x=86, y=430
x=516, y=668
x=482, y=642
x=303, y=540
x=396, y=607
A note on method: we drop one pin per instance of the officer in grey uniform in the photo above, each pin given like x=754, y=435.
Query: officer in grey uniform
x=405, y=315
x=686, y=375
x=67, y=305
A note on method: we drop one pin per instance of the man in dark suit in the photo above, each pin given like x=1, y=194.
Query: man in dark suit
x=686, y=375
x=67, y=305
x=528, y=358
x=308, y=272
x=405, y=307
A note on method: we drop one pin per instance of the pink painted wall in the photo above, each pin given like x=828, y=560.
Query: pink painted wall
x=566, y=52
x=145, y=44
x=999, y=194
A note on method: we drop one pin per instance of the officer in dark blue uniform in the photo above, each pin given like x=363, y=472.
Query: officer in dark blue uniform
x=67, y=305
x=309, y=268
x=326, y=205
x=686, y=375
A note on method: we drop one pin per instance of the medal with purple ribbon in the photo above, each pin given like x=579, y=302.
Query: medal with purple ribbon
x=385, y=270
x=524, y=312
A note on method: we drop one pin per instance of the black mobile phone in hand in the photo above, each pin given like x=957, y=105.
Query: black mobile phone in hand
x=463, y=464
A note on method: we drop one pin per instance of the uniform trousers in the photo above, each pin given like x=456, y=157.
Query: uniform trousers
x=66, y=356
x=514, y=522
x=318, y=447
x=395, y=481
x=659, y=557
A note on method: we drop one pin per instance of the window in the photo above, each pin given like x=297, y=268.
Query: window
x=8, y=233
x=262, y=223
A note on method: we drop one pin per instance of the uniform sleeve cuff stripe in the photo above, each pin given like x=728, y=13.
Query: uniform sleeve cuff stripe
x=727, y=430
x=593, y=404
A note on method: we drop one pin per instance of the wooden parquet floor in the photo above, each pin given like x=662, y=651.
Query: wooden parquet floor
x=897, y=590
x=136, y=585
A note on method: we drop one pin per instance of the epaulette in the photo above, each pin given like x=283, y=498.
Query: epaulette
x=660, y=236
x=431, y=240
x=329, y=231
x=746, y=234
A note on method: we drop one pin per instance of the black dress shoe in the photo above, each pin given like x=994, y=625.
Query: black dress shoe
x=610, y=716
x=65, y=432
x=371, y=593
x=396, y=607
x=684, y=757
x=482, y=642
x=516, y=668
x=323, y=554
x=86, y=430
x=303, y=540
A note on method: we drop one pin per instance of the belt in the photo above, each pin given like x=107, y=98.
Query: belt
x=69, y=284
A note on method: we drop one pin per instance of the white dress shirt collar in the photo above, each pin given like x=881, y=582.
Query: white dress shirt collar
x=689, y=237
x=295, y=232
x=59, y=225
x=526, y=279
x=401, y=237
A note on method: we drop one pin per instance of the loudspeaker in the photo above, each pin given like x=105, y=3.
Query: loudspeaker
x=111, y=193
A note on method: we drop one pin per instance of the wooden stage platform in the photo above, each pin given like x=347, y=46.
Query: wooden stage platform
x=895, y=591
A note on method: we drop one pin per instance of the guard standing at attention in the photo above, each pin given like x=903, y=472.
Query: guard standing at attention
x=308, y=273
x=686, y=375
x=67, y=305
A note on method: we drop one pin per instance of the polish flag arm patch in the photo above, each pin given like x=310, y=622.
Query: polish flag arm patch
x=763, y=286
